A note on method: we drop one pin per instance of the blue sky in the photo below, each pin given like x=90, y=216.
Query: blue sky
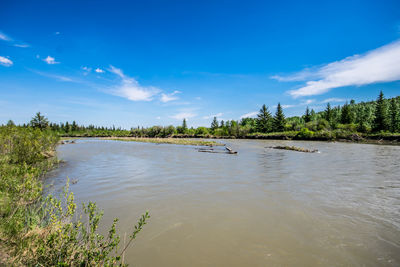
x=147, y=63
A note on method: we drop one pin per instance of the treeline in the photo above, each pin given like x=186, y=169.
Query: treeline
x=380, y=117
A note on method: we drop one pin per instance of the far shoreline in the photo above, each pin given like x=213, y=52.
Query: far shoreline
x=353, y=138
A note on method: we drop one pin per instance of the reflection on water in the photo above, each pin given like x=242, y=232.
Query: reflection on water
x=260, y=207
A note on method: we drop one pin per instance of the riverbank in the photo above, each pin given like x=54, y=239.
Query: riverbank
x=47, y=230
x=303, y=135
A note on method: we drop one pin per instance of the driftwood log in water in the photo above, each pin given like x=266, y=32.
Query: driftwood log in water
x=293, y=148
x=230, y=151
x=212, y=150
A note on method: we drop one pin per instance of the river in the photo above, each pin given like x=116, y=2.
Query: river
x=261, y=207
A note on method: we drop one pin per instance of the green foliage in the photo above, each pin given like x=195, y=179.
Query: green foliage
x=328, y=113
x=264, y=120
x=279, y=120
x=214, y=124
x=39, y=121
x=184, y=126
x=305, y=133
x=201, y=131
x=307, y=116
x=39, y=231
x=394, y=115
x=381, y=118
x=346, y=116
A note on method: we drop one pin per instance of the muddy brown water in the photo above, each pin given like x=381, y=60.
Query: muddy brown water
x=261, y=207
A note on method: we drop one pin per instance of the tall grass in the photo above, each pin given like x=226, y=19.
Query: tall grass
x=47, y=231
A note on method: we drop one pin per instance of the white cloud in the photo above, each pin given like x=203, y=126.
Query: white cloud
x=12, y=42
x=333, y=100
x=4, y=37
x=22, y=45
x=131, y=89
x=183, y=115
x=379, y=65
x=218, y=115
x=50, y=60
x=56, y=76
x=289, y=106
x=86, y=70
x=98, y=70
x=169, y=97
x=308, y=101
x=249, y=115
x=5, y=61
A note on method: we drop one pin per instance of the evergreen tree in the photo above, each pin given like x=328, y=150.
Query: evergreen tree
x=312, y=114
x=184, y=126
x=39, y=121
x=264, y=120
x=279, y=119
x=307, y=116
x=328, y=113
x=67, y=127
x=74, y=126
x=222, y=124
x=394, y=115
x=380, y=122
x=10, y=123
x=214, y=124
x=346, y=115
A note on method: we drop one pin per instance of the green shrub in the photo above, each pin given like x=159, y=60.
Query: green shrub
x=47, y=232
x=305, y=133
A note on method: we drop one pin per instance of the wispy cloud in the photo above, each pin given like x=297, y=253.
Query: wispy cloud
x=11, y=41
x=22, y=45
x=308, y=102
x=183, y=115
x=61, y=78
x=5, y=61
x=86, y=70
x=130, y=89
x=50, y=60
x=249, y=115
x=98, y=70
x=4, y=37
x=333, y=100
x=379, y=65
x=218, y=115
x=289, y=106
x=169, y=97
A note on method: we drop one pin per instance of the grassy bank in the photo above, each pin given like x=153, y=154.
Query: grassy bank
x=167, y=140
x=47, y=231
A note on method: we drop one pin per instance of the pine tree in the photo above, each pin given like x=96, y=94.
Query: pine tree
x=279, y=119
x=394, y=115
x=214, y=124
x=328, y=113
x=264, y=120
x=222, y=124
x=74, y=126
x=307, y=116
x=39, y=121
x=10, y=123
x=380, y=122
x=346, y=115
x=184, y=126
x=67, y=128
